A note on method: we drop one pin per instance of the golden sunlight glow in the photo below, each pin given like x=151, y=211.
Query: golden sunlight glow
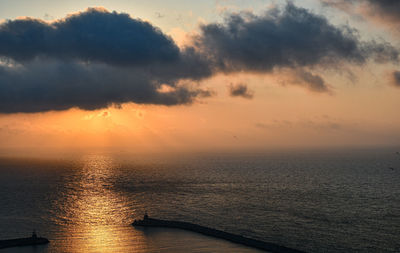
x=92, y=206
x=280, y=115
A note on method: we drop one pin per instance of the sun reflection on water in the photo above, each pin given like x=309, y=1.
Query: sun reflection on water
x=98, y=217
x=92, y=215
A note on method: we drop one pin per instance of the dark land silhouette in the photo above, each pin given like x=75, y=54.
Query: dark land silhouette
x=270, y=247
x=28, y=241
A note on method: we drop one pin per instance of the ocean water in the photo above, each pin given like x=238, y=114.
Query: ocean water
x=347, y=201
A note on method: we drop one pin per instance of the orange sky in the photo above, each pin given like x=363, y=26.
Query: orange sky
x=360, y=111
x=278, y=116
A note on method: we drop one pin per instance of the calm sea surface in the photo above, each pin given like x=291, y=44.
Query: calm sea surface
x=313, y=201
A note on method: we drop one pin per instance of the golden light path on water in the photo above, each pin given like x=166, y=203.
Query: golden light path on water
x=96, y=211
x=93, y=217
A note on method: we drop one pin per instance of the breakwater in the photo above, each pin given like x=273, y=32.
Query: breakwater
x=23, y=242
x=271, y=247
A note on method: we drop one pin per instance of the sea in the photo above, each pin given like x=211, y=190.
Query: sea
x=310, y=200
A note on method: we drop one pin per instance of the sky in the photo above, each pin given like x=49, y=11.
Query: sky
x=199, y=75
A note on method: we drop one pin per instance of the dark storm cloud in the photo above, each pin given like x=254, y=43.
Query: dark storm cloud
x=99, y=36
x=58, y=85
x=92, y=60
x=240, y=90
x=93, y=35
x=290, y=38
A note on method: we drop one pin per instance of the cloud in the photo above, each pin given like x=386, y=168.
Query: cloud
x=92, y=60
x=94, y=35
x=286, y=38
x=385, y=10
x=319, y=125
x=57, y=85
x=311, y=81
x=343, y=5
x=240, y=90
x=396, y=78
x=388, y=10
x=96, y=58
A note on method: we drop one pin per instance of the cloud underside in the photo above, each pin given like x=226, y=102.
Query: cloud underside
x=96, y=58
x=57, y=85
